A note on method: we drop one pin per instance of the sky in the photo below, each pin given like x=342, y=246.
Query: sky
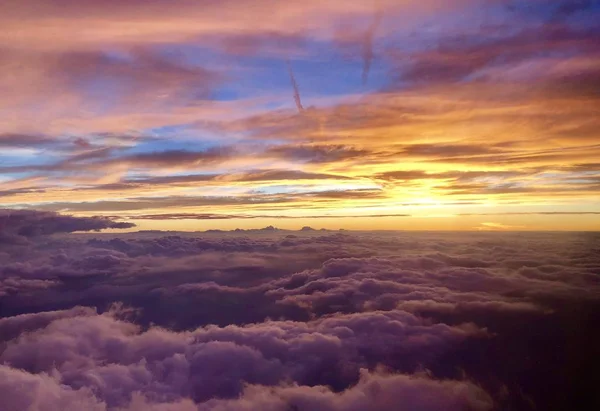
x=387, y=114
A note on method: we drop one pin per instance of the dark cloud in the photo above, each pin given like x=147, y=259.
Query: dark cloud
x=470, y=57
x=141, y=68
x=195, y=216
x=340, y=194
x=176, y=157
x=405, y=175
x=297, y=99
x=278, y=175
x=253, y=198
x=455, y=179
x=141, y=203
x=266, y=43
x=318, y=153
x=8, y=140
x=146, y=73
x=16, y=191
x=444, y=151
x=30, y=223
x=368, y=53
x=279, y=320
x=73, y=145
x=192, y=179
x=100, y=158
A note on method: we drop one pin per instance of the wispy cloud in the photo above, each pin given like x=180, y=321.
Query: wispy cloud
x=297, y=99
x=368, y=53
x=471, y=103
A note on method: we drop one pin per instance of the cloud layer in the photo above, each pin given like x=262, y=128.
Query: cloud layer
x=280, y=320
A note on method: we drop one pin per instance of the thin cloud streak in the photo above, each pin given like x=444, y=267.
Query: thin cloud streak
x=297, y=99
x=368, y=53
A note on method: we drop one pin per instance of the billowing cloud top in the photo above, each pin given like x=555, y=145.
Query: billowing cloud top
x=481, y=113
x=307, y=320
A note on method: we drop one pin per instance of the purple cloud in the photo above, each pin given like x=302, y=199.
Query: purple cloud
x=30, y=223
x=273, y=319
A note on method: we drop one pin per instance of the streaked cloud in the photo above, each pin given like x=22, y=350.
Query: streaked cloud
x=138, y=108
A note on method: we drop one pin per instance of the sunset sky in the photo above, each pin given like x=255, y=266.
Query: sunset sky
x=382, y=114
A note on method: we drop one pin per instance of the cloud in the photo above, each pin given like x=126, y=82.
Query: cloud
x=368, y=46
x=461, y=56
x=134, y=79
x=30, y=223
x=255, y=200
x=200, y=362
x=167, y=100
x=192, y=216
x=191, y=180
x=9, y=140
x=167, y=158
x=12, y=327
x=99, y=159
x=426, y=307
x=278, y=175
x=480, y=116
x=21, y=390
x=287, y=19
x=340, y=194
x=297, y=99
x=141, y=203
x=7, y=193
x=317, y=153
x=373, y=392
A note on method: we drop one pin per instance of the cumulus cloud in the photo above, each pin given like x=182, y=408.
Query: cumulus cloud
x=21, y=391
x=374, y=391
x=11, y=327
x=113, y=359
x=281, y=320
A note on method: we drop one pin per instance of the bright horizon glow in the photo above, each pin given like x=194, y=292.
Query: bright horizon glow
x=431, y=223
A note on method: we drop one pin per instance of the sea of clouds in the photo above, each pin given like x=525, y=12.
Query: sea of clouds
x=294, y=320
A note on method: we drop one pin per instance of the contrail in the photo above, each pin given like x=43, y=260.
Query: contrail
x=368, y=46
x=295, y=85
